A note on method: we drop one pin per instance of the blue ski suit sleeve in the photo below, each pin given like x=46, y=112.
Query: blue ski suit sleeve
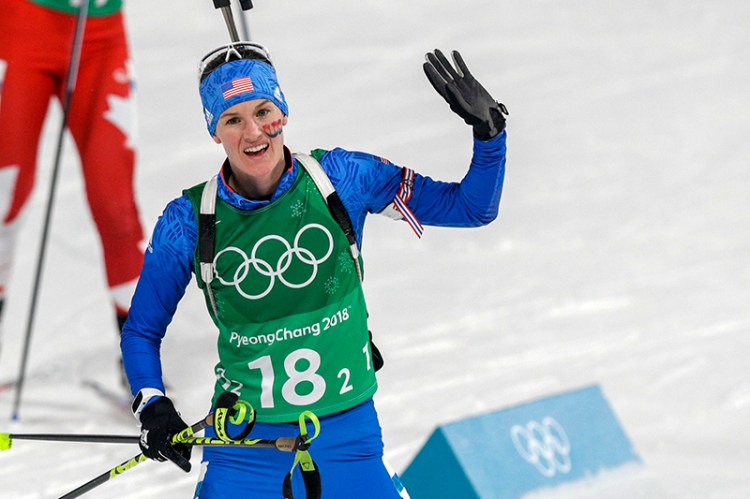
x=368, y=184
x=475, y=200
x=166, y=273
x=365, y=183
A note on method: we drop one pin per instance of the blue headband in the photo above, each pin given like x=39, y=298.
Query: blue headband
x=239, y=81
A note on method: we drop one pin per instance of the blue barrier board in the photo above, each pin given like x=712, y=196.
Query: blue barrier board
x=507, y=453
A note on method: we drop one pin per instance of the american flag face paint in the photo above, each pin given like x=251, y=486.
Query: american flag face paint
x=274, y=129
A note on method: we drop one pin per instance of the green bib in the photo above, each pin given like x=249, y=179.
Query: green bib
x=292, y=317
x=97, y=8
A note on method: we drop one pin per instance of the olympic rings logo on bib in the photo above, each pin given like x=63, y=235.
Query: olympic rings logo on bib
x=255, y=267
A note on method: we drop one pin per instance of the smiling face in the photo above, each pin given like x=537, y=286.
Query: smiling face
x=251, y=133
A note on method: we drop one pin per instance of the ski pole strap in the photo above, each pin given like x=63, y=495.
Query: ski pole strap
x=303, y=427
x=229, y=409
x=310, y=476
x=308, y=467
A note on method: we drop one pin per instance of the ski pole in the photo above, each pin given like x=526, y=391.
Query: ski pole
x=6, y=439
x=106, y=476
x=246, y=5
x=75, y=58
x=226, y=10
x=130, y=463
x=283, y=444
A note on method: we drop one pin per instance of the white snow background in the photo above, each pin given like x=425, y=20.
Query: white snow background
x=621, y=255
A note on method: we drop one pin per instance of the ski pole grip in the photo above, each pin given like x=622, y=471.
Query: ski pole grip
x=246, y=4
x=221, y=3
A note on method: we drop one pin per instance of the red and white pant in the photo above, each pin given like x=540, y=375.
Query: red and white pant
x=35, y=50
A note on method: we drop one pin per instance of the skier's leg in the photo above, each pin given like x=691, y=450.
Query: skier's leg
x=353, y=458
x=34, y=57
x=348, y=452
x=102, y=121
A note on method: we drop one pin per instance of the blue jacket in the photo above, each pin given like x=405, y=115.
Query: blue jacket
x=365, y=183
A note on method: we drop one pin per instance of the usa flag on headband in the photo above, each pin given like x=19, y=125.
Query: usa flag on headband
x=237, y=86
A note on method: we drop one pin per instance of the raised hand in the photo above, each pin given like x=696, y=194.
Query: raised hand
x=465, y=95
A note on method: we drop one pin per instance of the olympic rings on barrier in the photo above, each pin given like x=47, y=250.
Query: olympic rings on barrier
x=544, y=445
x=283, y=263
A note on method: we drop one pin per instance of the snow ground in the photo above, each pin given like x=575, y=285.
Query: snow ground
x=621, y=255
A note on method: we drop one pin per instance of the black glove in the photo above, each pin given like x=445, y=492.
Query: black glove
x=465, y=95
x=159, y=423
